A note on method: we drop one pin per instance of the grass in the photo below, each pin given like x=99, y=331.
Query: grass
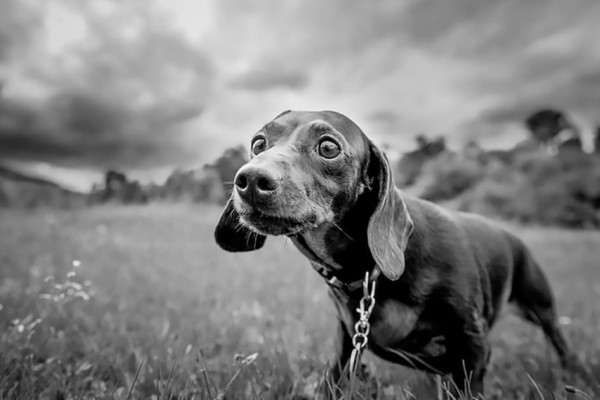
x=152, y=308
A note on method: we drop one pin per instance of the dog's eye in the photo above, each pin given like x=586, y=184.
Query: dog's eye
x=329, y=149
x=258, y=146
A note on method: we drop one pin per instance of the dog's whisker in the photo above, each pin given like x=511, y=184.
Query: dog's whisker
x=239, y=227
x=341, y=230
x=228, y=190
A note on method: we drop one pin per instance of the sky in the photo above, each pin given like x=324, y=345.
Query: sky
x=145, y=86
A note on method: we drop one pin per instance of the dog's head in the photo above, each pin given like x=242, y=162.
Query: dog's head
x=311, y=168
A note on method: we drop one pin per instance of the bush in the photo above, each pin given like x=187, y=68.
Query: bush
x=562, y=190
x=448, y=176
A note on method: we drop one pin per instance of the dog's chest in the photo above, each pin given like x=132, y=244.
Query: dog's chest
x=391, y=321
x=394, y=326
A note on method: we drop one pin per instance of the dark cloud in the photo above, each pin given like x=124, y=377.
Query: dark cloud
x=578, y=92
x=114, y=99
x=19, y=24
x=78, y=129
x=523, y=58
x=269, y=77
x=504, y=115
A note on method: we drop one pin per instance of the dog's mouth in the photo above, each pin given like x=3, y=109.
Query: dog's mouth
x=275, y=224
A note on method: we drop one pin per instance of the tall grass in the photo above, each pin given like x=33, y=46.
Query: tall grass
x=151, y=308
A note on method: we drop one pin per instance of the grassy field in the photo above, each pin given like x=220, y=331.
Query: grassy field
x=125, y=302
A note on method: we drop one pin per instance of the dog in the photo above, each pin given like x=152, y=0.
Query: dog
x=442, y=277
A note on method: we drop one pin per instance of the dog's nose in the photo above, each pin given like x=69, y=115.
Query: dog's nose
x=254, y=185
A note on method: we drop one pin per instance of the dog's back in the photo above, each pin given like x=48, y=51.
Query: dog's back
x=505, y=267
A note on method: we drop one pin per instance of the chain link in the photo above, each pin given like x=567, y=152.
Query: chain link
x=362, y=326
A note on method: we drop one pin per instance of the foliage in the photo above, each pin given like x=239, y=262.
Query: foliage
x=411, y=164
x=562, y=190
x=449, y=176
x=228, y=164
x=544, y=125
x=525, y=184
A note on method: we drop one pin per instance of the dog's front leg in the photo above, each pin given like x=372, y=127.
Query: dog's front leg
x=338, y=367
x=473, y=355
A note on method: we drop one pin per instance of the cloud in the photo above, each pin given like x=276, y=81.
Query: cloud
x=433, y=67
x=79, y=129
x=542, y=59
x=269, y=77
x=115, y=98
x=570, y=84
x=19, y=23
x=387, y=121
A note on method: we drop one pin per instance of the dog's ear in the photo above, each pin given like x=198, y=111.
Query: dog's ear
x=231, y=235
x=390, y=224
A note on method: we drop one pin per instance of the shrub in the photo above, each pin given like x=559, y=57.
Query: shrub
x=563, y=190
x=448, y=176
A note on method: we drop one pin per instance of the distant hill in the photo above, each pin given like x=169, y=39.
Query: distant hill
x=20, y=190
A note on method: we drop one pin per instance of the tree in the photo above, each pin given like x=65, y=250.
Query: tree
x=228, y=164
x=409, y=166
x=546, y=125
x=430, y=146
x=118, y=188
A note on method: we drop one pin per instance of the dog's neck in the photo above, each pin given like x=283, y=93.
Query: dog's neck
x=341, y=247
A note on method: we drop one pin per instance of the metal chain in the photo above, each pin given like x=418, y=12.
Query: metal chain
x=362, y=326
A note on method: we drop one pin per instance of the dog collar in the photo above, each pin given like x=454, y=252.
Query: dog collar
x=326, y=273
x=337, y=283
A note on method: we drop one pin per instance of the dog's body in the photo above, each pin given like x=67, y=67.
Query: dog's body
x=445, y=275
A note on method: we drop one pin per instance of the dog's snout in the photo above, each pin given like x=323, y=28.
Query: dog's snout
x=254, y=184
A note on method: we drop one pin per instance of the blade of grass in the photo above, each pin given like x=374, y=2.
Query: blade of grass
x=535, y=385
x=205, y=373
x=135, y=380
x=170, y=376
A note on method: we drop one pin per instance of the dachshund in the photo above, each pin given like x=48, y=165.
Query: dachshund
x=442, y=276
